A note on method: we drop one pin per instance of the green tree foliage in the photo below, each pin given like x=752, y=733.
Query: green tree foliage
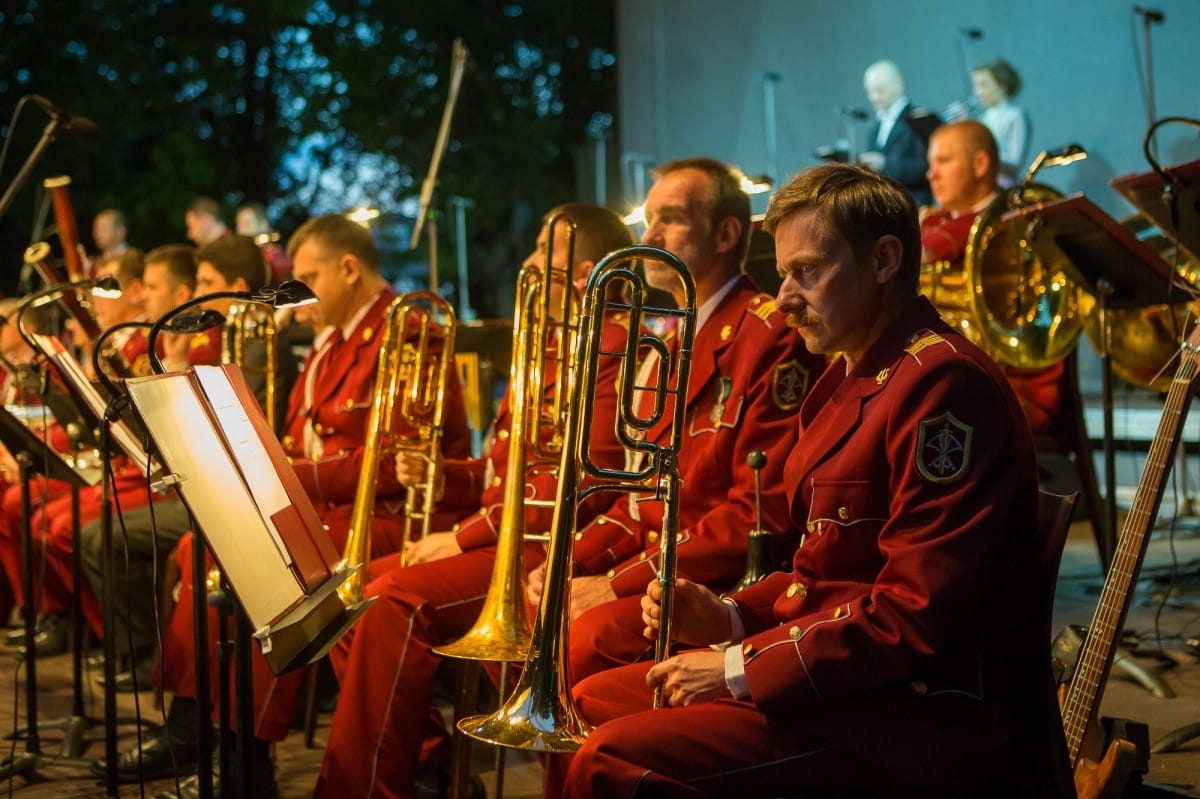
x=311, y=106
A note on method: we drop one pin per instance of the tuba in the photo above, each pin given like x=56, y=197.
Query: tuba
x=502, y=632
x=540, y=713
x=1017, y=306
x=412, y=371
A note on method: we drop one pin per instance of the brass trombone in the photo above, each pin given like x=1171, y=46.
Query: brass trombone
x=413, y=367
x=502, y=632
x=540, y=713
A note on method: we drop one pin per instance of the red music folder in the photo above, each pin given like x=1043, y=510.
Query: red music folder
x=254, y=514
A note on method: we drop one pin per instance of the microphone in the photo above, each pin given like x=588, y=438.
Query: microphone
x=854, y=113
x=1151, y=14
x=81, y=127
x=974, y=34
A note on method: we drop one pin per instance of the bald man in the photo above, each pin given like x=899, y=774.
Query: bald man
x=963, y=169
x=896, y=143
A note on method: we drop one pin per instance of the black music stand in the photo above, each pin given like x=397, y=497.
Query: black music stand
x=1122, y=272
x=1146, y=190
x=109, y=413
x=35, y=458
x=1170, y=201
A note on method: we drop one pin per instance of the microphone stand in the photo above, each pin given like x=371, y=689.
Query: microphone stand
x=439, y=149
x=1148, y=20
x=49, y=134
x=112, y=413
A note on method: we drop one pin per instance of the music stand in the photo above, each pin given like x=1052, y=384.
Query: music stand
x=254, y=516
x=102, y=413
x=1146, y=191
x=1122, y=272
x=35, y=457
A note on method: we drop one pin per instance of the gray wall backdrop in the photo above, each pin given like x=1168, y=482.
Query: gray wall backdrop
x=691, y=77
x=692, y=80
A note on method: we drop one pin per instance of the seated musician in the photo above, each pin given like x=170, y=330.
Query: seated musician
x=126, y=351
x=900, y=656
x=962, y=173
x=23, y=388
x=748, y=377
x=385, y=728
x=325, y=430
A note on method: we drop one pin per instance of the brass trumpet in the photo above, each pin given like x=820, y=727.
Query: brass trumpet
x=540, y=713
x=412, y=369
x=502, y=632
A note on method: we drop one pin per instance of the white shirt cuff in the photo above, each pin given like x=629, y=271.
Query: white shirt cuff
x=735, y=664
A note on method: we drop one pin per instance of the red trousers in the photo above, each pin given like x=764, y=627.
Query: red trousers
x=52, y=529
x=721, y=748
x=385, y=723
x=41, y=491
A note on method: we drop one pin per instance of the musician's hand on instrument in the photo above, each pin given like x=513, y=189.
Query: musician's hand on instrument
x=700, y=617
x=434, y=546
x=872, y=159
x=690, y=677
x=533, y=585
x=411, y=467
x=588, y=592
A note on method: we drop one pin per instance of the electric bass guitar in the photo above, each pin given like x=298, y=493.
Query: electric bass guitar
x=1105, y=777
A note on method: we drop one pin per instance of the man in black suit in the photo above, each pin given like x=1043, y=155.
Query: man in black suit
x=897, y=142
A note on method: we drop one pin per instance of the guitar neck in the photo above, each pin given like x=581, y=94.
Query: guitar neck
x=1099, y=648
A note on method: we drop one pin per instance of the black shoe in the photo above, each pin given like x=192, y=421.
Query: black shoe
x=264, y=786
x=51, y=636
x=434, y=783
x=158, y=758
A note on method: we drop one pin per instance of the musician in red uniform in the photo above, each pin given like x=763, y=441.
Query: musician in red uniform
x=386, y=727
x=963, y=166
x=54, y=520
x=324, y=437
x=22, y=388
x=749, y=375
x=901, y=656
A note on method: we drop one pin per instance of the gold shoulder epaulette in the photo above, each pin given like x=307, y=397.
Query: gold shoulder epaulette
x=922, y=341
x=762, y=306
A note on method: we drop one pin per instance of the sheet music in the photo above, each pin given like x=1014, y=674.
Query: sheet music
x=95, y=404
x=258, y=473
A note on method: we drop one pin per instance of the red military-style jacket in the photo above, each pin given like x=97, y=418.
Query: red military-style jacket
x=484, y=477
x=340, y=406
x=913, y=596
x=749, y=374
